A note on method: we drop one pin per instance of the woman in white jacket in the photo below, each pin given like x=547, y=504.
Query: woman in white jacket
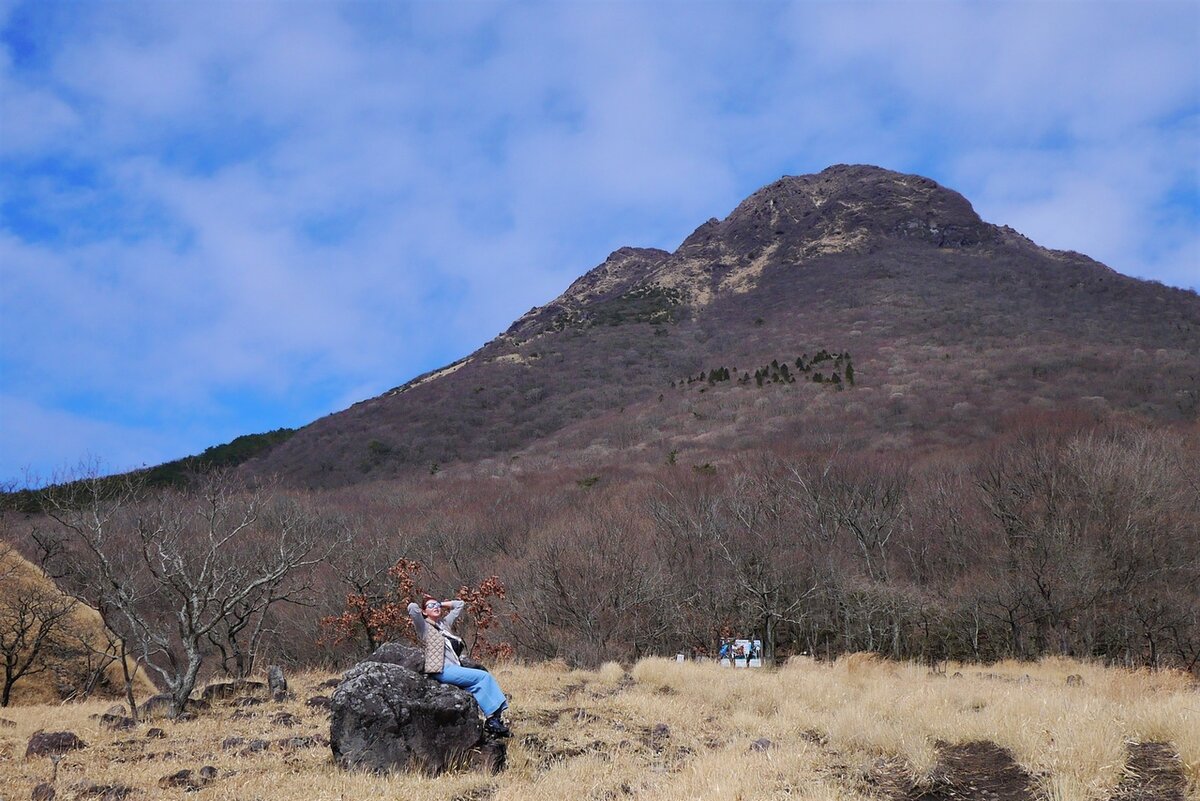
x=443, y=653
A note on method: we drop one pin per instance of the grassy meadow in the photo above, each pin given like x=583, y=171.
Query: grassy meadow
x=858, y=728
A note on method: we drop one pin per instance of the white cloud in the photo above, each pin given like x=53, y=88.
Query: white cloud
x=39, y=443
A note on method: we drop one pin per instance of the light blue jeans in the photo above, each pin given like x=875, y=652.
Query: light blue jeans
x=478, y=683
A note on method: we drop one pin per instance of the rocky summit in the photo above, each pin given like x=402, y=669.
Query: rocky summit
x=937, y=326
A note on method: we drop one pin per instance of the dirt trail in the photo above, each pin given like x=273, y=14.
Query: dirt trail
x=980, y=770
x=1153, y=772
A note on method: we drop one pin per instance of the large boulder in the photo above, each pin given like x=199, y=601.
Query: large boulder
x=393, y=653
x=388, y=717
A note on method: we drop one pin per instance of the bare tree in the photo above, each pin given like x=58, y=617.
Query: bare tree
x=34, y=618
x=173, y=568
x=592, y=589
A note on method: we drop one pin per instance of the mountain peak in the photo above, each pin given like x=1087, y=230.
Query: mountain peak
x=841, y=208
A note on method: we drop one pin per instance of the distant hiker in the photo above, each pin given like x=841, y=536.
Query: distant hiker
x=443, y=652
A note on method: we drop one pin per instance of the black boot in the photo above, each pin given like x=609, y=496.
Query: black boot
x=496, y=726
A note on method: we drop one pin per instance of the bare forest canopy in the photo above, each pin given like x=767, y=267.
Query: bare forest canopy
x=850, y=416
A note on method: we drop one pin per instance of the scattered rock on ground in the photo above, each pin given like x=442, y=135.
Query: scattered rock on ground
x=102, y=792
x=48, y=743
x=224, y=690
x=155, y=733
x=329, y=683
x=762, y=744
x=156, y=707
x=187, y=780
x=657, y=737
x=276, y=681
x=43, y=792
x=318, y=702
x=117, y=722
x=286, y=719
x=296, y=743
x=250, y=746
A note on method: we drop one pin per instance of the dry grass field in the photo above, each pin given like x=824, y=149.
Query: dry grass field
x=858, y=728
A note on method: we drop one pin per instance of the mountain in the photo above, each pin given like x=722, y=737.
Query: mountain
x=859, y=307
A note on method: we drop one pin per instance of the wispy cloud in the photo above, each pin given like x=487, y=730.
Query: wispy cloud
x=225, y=217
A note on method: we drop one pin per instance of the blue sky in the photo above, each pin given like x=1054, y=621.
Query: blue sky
x=222, y=218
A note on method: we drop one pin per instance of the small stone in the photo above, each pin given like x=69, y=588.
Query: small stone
x=490, y=757
x=762, y=744
x=155, y=733
x=254, y=746
x=330, y=683
x=43, y=792
x=156, y=707
x=318, y=702
x=208, y=774
x=295, y=743
x=286, y=719
x=224, y=690
x=1075, y=680
x=101, y=792
x=230, y=743
x=181, y=779
x=276, y=681
x=117, y=722
x=49, y=743
x=116, y=710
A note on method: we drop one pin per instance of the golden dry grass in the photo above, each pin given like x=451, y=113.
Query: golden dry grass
x=592, y=734
x=82, y=628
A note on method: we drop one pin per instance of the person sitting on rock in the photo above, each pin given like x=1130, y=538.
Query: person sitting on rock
x=443, y=659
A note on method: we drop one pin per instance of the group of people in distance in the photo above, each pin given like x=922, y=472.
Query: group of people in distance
x=733, y=651
x=434, y=623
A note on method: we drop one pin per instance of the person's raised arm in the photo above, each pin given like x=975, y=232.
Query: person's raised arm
x=456, y=608
x=418, y=620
